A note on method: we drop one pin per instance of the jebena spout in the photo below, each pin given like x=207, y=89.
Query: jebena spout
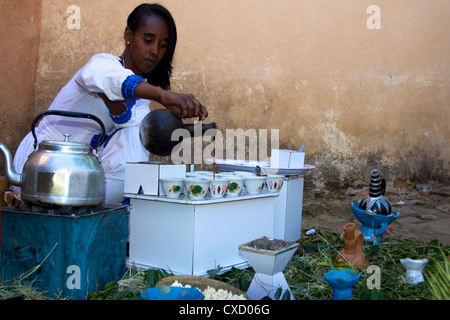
x=12, y=176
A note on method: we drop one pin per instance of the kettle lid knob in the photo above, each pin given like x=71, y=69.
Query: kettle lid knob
x=66, y=137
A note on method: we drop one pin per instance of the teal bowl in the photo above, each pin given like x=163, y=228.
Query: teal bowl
x=171, y=293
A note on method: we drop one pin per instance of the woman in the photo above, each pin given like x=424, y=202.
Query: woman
x=118, y=90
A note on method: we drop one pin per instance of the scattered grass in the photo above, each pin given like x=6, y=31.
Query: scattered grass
x=439, y=279
x=304, y=274
x=307, y=212
x=316, y=257
x=19, y=290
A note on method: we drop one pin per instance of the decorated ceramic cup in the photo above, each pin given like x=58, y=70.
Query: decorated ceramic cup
x=254, y=184
x=235, y=186
x=196, y=188
x=274, y=183
x=172, y=187
x=218, y=187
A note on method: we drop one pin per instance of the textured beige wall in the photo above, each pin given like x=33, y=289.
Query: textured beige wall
x=19, y=38
x=360, y=98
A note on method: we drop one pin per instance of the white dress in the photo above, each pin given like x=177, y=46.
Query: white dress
x=105, y=74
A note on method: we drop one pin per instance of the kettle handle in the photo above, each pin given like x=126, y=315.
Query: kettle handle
x=66, y=114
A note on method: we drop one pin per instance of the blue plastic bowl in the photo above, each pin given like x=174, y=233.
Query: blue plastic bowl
x=171, y=293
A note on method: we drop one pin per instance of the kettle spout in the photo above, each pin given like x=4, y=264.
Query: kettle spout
x=12, y=176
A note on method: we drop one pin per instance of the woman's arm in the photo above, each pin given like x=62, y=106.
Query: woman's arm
x=185, y=104
x=106, y=77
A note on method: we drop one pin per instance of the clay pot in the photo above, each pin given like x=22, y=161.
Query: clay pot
x=352, y=252
x=156, y=129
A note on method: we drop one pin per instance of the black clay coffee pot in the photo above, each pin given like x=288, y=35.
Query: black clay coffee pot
x=157, y=127
x=376, y=202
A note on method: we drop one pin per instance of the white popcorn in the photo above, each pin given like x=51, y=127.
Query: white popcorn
x=177, y=284
x=212, y=293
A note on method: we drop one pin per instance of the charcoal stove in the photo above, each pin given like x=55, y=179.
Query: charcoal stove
x=71, y=250
x=60, y=210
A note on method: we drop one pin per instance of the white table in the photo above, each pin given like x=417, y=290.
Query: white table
x=189, y=237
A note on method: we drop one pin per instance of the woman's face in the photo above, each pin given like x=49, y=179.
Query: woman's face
x=148, y=44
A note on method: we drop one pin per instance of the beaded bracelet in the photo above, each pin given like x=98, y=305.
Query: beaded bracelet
x=129, y=85
x=126, y=115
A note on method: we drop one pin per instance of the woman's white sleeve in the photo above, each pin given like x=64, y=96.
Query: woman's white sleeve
x=104, y=75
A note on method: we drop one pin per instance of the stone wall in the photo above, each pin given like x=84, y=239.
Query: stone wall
x=363, y=88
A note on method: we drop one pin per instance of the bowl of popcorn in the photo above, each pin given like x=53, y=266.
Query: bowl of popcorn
x=210, y=288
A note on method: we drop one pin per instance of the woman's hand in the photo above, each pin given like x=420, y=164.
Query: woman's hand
x=185, y=104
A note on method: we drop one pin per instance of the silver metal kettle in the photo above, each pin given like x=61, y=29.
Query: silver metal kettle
x=59, y=172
